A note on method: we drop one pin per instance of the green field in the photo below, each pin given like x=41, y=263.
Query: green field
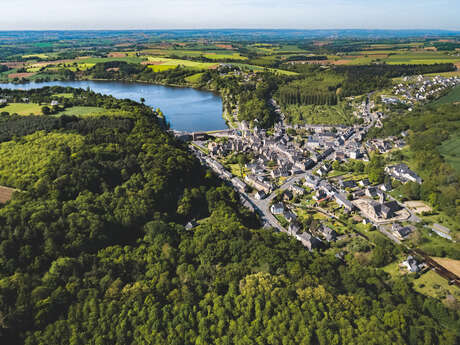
x=194, y=78
x=92, y=111
x=176, y=62
x=450, y=149
x=319, y=114
x=23, y=109
x=452, y=97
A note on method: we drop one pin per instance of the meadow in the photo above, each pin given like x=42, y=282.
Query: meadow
x=450, y=150
x=23, y=109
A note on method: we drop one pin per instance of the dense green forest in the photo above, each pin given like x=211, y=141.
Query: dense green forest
x=93, y=251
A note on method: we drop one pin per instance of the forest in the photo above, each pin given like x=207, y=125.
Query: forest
x=94, y=250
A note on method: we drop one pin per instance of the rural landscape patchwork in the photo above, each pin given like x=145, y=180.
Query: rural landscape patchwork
x=230, y=186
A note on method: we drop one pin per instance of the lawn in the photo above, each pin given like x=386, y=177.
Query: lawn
x=23, y=109
x=433, y=285
x=450, y=149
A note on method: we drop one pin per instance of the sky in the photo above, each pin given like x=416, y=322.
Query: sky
x=203, y=14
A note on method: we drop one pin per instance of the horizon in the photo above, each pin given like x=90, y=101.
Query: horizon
x=53, y=15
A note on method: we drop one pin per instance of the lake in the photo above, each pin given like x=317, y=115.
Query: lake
x=186, y=109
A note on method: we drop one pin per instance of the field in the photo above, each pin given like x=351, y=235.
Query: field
x=450, y=150
x=23, y=109
x=91, y=111
x=172, y=63
x=450, y=264
x=319, y=114
x=452, y=97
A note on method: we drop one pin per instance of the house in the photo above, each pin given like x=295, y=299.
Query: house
x=258, y=184
x=277, y=208
x=308, y=240
x=412, y=264
x=294, y=227
x=401, y=231
x=441, y=231
x=190, y=225
x=320, y=195
x=311, y=181
x=347, y=184
x=365, y=182
x=342, y=200
x=3, y=101
x=237, y=183
x=260, y=195
x=402, y=173
x=386, y=187
x=297, y=190
x=329, y=234
x=323, y=170
x=227, y=174
x=287, y=195
x=54, y=103
x=371, y=192
x=289, y=215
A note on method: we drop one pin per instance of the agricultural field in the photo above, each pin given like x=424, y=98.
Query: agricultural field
x=452, y=97
x=450, y=149
x=92, y=111
x=23, y=109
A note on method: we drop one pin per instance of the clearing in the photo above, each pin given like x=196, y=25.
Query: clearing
x=450, y=264
x=23, y=109
x=450, y=150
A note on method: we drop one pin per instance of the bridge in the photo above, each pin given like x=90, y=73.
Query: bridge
x=204, y=135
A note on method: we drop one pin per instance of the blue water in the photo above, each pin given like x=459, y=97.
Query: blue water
x=185, y=109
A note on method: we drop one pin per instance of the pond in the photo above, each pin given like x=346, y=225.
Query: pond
x=186, y=109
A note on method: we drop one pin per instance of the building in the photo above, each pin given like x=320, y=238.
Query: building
x=237, y=183
x=402, y=173
x=329, y=234
x=412, y=265
x=342, y=200
x=441, y=231
x=297, y=190
x=401, y=232
x=257, y=184
x=260, y=195
x=277, y=208
x=294, y=227
x=308, y=240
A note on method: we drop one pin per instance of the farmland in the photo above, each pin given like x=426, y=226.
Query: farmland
x=22, y=109
x=450, y=150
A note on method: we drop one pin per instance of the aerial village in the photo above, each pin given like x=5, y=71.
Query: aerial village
x=291, y=174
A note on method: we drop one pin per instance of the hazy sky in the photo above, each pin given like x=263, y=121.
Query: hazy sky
x=169, y=14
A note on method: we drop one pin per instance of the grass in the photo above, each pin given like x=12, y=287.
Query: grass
x=433, y=285
x=452, y=97
x=92, y=111
x=64, y=95
x=176, y=62
x=450, y=149
x=23, y=109
x=194, y=79
x=320, y=114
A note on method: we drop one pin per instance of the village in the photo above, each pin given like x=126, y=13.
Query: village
x=287, y=175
